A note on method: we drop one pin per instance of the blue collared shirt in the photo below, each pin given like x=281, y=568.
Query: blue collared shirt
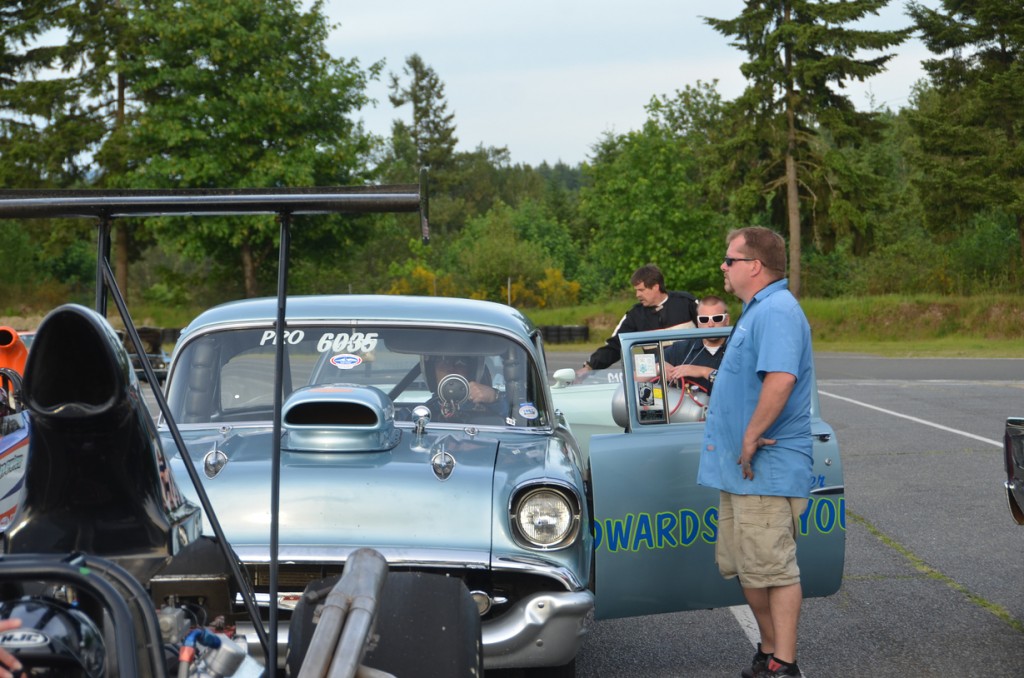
x=772, y=335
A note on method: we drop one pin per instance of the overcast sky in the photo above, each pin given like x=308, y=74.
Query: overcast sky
x=546, y=78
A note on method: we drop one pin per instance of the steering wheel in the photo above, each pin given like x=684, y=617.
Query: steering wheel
x=452, y=391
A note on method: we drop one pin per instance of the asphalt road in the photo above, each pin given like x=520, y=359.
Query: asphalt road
x=934, y=576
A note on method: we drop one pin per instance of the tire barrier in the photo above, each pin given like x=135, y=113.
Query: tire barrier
x=565, y=334
x=169, y=335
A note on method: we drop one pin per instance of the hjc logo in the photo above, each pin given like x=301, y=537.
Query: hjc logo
x=23, y=639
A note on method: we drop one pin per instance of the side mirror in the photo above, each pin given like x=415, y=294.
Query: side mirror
x=564, y=377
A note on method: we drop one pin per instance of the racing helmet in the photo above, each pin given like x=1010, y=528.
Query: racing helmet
x=55, y=640
x=448, y=377
x=469, y=366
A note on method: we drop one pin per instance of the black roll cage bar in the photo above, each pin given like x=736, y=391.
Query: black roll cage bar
x=107, y=205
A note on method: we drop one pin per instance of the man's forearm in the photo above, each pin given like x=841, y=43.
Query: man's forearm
x=606, y=356
x=775, y=391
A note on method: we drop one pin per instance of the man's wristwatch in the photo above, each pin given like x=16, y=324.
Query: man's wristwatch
x=711, y=377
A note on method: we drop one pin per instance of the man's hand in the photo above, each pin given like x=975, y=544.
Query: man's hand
x=482, y=394
x=582, y=373
x=681, y=372
x=746, y=459
x=7, y=659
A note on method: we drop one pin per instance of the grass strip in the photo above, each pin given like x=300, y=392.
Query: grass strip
x=924, y=568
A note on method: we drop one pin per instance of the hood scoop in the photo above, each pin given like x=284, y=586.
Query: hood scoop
x=342, y=418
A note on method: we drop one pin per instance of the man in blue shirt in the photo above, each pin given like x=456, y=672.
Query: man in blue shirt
x=757, y=446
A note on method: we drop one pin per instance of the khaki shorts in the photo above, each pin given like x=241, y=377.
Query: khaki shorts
x=757, y=539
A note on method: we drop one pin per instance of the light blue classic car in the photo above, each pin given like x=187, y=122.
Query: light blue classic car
x=426, y=429
x=381, y=449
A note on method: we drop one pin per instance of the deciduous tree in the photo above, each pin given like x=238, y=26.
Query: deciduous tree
x=489, y=254
x=642, y=206
x=243, y=94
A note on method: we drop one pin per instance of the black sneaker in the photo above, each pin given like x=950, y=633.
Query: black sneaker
x=758, y=666
x=777, y=670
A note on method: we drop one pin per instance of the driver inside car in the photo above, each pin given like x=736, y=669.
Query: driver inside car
x=459, y=387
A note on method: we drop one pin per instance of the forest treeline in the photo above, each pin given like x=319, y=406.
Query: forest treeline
x=162, y=94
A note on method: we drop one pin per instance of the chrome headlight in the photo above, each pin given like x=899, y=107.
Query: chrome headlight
x=545, y=518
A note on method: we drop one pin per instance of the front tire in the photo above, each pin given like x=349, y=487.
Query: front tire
x=428, y=626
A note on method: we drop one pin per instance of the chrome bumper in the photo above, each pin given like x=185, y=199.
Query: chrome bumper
x=1013, y=490
x=543, y=630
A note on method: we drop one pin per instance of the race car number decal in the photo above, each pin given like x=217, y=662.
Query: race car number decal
x=343, y=342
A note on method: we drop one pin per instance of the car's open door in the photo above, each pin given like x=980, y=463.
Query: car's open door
x=655, y=527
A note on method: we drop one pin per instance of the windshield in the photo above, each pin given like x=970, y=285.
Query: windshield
x=463, y=376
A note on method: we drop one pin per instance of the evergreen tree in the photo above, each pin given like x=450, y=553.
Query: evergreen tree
x=798, y=51
x=58, y=101
x=429, y=140
x=21, y=166
x=62, y=104
x=968, y=120
x=433, y=128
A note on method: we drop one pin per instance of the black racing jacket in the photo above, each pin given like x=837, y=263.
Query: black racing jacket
x=679, y=308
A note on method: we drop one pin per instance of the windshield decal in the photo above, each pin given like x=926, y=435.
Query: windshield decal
x=528, y=411
x=343, y=342
x=645, y=366
x=292, y=337
x=346, y=361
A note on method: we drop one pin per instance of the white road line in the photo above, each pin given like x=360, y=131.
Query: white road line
x=747, y=622
x=997, y=443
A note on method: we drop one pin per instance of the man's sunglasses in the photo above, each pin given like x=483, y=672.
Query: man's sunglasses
x=729, y=261
x=717, y=318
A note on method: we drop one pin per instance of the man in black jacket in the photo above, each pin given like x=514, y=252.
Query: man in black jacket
x=656, y=310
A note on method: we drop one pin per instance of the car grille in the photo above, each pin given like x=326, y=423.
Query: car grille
x=507, y=586
x=291, y=577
